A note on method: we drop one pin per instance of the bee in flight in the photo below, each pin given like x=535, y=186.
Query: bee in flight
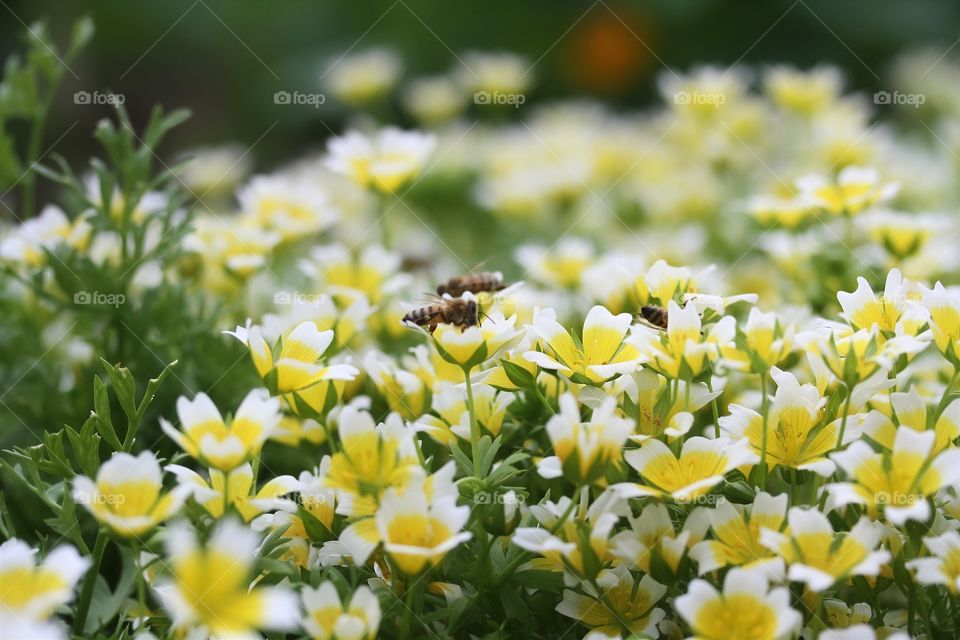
x=474, y=283
x=460, y=312
x=653, y=315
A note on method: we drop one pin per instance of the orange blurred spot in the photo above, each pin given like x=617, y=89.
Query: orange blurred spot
x=605, y=53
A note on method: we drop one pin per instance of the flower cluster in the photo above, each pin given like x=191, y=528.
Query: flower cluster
x=644, y=445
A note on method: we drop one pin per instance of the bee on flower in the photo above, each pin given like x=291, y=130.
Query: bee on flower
x=477, y=344
x=210, y=585
x=127, y=494
x=683, y=351
x=205, y=436
x=31, y=591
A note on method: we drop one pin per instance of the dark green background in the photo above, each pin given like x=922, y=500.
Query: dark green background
x=219, y=57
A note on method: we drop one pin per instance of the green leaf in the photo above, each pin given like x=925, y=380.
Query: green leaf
x=101, y=404
x=106, y=603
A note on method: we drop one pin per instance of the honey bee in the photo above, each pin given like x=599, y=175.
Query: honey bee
x=456, y=311
x=474, y=283
x=656, y=316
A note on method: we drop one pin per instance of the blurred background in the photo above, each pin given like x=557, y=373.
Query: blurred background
x=225, y=59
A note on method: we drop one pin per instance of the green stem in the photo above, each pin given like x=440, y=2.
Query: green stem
x=945, y=399
x=713, y=407
x=86, y=591
x=141, y=580
x=33, y=151
x=543, y=398
x=846, y=414
x=474, y=426
x=764, y=409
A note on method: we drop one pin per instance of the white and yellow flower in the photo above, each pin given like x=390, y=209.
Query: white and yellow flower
x=29, y=592
x=580, y=545
x=585, y=450
x=236, y=489
x=453, y=418
x=127, y=495
x=470, y=347
x=621, y=603
x=943, y=566
x=210, y=585
x=206, y=437
x=298, y=365
x=327, y=617
x=405, y=392
x=682, y=351
x=652, y=535
x=386, y=161
x=863, y=308
x=561, y=266
x=898, y=481
x=601, y=353
x=853, y=190
x=736, y=535
x=944, y=307
x=287, y=205
x=371, y=458
x=417, y=533
x=702, y=464
x=363, y=77
x=910, y=410
x=796, y=435
x=765, y=344
x=819, y=557
x=747, y=604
